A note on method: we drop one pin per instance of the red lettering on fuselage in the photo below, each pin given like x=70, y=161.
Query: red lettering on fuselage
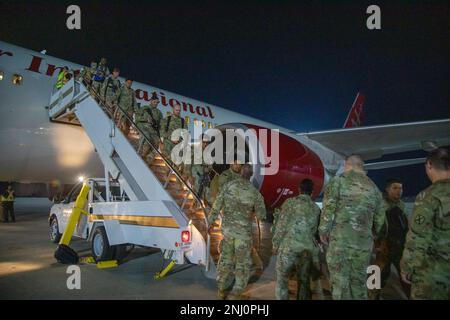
x=206, y=111
x=142, y=95
x=35, y=64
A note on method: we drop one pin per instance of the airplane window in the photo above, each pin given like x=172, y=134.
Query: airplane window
x=1, y=75
x=203, y=123
x=17, y=79
x=210, y=125
x=195, y=122
x=187, y=119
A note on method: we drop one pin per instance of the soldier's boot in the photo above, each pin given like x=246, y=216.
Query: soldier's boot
x=374, y=294
x=235, y=296
x=221, y=294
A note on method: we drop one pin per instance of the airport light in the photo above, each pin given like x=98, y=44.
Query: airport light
x=1, y=75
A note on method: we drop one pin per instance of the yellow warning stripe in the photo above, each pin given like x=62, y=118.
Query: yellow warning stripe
x=165, y=222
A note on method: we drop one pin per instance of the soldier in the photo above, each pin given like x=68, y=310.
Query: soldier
x=390, y=245
x=294, y=242
x=232, y=173
x=352, y=208
x=126, y=101
x=100, y=74
x=171, y=123
x=426, y=259
x=198, y=171
x=239, y=199
x=87, y=72
x=149, y=119
x=110, y=88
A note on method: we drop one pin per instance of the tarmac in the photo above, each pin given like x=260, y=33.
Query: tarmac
x=28, y=269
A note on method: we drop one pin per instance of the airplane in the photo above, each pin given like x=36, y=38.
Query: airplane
x=36, y=150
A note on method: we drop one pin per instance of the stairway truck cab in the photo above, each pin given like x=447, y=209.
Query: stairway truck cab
x=114, y=224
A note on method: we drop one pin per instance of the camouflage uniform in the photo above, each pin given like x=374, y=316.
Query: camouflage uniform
x=391, y=243
x=87, y=72
x=239, y=199
x=294, y=243
x=426, y=256
x=126, y=100
x=109, y=90
x=352, y=208
x=225, y=177
x=199, y=171
x=98, y=76
x=169, y=125
x=148, y=119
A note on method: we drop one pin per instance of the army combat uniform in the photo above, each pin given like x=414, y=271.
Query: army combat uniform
x=239, y=199
x=199, y=171
x=99, y=76
x=352, y=208
x=109, y=90
x=426, y=256
x=294, y=243
x=391, y=243
x=225, y=177
x=87, y=72
x=169, y=125
x=149, y=119
x=126, y=100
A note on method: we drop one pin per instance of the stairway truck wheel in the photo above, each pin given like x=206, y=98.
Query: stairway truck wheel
x=101, y=250
x=55, y=235
x=122, y=251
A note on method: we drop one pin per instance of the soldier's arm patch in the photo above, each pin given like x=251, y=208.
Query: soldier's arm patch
x=419, y=219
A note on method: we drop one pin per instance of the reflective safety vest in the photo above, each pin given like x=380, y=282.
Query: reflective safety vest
x=60, y=82
x=8, y=196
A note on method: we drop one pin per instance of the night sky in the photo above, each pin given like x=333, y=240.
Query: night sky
x=297, y=64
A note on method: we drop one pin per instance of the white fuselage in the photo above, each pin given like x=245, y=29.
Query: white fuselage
x=34, y=149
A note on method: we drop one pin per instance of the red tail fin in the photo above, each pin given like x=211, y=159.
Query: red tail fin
x=355, y=117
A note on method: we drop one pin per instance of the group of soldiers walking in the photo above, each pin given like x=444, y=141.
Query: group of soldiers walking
x=121, y=98
x=356, y=227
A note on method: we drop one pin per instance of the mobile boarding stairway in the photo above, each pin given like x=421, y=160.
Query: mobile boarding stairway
x=161, y=203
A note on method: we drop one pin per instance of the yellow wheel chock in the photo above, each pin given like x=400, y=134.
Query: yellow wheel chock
x=162, y=274
x=75, y=215
x=89, y=260
x=107, y=264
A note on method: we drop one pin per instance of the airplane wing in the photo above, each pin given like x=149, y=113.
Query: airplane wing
x=375, y=141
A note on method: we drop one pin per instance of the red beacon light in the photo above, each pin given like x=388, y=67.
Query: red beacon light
x=185, y=236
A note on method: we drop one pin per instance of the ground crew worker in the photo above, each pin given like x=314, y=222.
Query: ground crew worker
x=390, y=245
x=294, y=242
x=110, y=88
x=426, y=259
x=100, y=74
x=87, y=72
x=61, y=80
x=126, y=101
x=238, y=199
x=148, y=119
x=352, y=208
x=7, y=199
x=171, y=123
